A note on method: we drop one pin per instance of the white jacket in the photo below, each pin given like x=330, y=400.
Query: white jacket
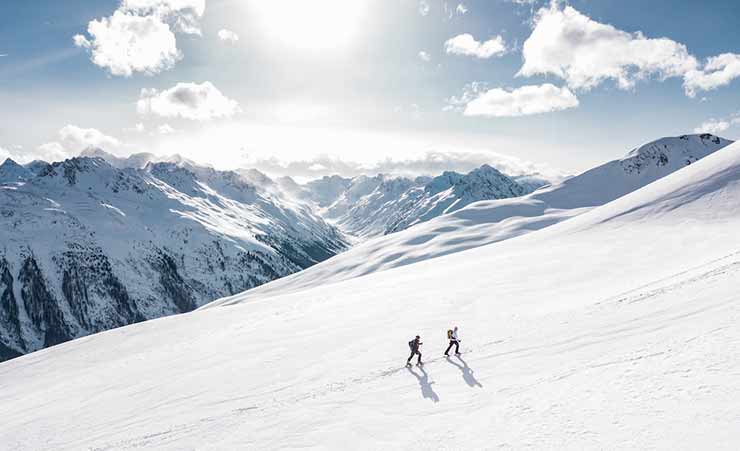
x=454, y=335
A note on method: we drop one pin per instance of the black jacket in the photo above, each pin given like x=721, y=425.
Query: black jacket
x=415, y=345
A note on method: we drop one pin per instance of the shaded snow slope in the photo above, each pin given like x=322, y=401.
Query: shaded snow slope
x=616, y=329
x=85, y=246
x=487, y=222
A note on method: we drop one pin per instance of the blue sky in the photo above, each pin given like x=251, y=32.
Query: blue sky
x=316, y=82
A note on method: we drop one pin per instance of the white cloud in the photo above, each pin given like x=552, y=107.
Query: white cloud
x=713, y=126
x=183, y=15
x=461, y=9
x=585, y=53
x=4, y=154
x=200, y=102
x=73, y=140
x=533, y=99
x=423, y=7
x=228, y=36
x=51, y=152
x=165, y=129
x=140, y=35
x=76, y=139
x=717, y=126
x=719, y=71
x=465, y=44
x=424, y=56
x=48, y=152
x=126, y=43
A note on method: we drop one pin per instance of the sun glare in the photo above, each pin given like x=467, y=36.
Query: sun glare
x=310, y=25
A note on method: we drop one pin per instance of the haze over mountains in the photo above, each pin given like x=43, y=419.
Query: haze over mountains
x=615, y=326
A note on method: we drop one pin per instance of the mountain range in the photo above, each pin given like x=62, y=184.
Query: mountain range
x=367, y=207
x=97, y=242
x=87, y=246
x=614, y=328
x=486, y=222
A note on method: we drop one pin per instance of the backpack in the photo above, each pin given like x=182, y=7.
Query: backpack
x=411, y=344
x=449, y=334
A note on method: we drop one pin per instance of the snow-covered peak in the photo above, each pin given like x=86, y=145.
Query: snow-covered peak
x=326, y=190
x=487, y=182
x=256, y=177
x=396, y=184
x=443, y=182
x=290, y=186
x=674, y=151
x=36, y=167
x=73, y=169
x=137, y=160
x=12, y=172
x=97, y=152
x=638, y=168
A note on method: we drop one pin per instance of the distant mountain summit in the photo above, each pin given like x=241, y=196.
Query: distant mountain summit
x=10, y=172
x=641, y=166
x=134, y=161
x=368, y=206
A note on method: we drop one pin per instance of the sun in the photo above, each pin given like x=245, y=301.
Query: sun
x=310, y=24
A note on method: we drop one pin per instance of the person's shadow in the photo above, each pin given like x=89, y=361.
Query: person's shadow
x=426, y=387
x=467, y=372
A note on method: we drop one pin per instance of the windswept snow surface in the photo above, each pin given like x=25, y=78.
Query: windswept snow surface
x=613, y=330
x=487, y=222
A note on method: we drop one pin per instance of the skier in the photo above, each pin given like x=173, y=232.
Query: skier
x=452, y=336
x=414, y=345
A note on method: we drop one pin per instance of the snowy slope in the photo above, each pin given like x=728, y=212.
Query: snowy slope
x=486, y=222
x=86, y=246
x=614, y=330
